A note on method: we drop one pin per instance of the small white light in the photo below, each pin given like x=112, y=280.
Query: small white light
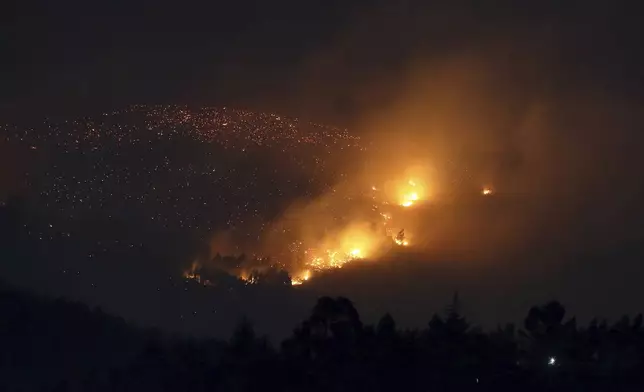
x=552, y=361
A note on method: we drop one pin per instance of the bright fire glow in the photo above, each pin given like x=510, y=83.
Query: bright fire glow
x=357, y=240
x=386, y=218
x=410, y=192
x=486, y=191
x=300, y=279
x=191, y=273
x=401, y=242
x=334, y=259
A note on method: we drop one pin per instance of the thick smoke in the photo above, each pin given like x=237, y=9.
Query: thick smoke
x=491, y=114
x=515, y=104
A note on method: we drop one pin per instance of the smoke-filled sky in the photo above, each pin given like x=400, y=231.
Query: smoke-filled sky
x=541, y=100
x=325, y=58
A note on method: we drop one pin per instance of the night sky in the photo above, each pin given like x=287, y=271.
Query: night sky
x=543, y=97
x=327, y=58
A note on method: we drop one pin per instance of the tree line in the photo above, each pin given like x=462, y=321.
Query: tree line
x=65, y=346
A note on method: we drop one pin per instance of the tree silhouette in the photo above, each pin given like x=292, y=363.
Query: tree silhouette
x=329, y=351
x=386, y=328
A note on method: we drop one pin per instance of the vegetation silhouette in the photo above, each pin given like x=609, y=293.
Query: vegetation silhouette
x=65, y=346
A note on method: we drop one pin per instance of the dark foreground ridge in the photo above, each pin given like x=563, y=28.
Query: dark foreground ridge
x=63, y=346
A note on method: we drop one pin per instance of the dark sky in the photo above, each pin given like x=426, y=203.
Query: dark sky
x=309, y=57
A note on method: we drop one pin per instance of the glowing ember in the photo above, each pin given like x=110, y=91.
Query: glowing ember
x=400, y=239
x=401, y=242
x=334, y=259
x=407, y=203
x=486, y=191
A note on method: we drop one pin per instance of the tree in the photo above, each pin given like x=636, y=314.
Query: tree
x=335, y=318
x=548, y=342
x=386, y=328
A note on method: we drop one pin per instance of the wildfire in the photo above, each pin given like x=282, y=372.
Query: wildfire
x=410, y=193
x=400, y=239
x=334, y=259
x=298, y=280
x=401, y=242
x=386, y=217
x=191, y=273
x=339, y=245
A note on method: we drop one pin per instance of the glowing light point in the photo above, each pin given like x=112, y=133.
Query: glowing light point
x=355, y=253
x=552, y=361
x=400, y=242
x=486, y=191
x=407, y=203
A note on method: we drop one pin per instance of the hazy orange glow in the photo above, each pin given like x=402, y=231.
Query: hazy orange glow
x=191, y=273
x=410, y=192
x=301, y=278
x=487, y=191
x=386, y=217
x=401, y=242
x=359, y=237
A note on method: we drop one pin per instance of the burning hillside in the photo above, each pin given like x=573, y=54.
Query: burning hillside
x=346, y=225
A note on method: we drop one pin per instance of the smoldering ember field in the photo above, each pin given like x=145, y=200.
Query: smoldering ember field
x=180, y=174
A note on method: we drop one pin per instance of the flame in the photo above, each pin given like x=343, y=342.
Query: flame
x=299, y=280
x=191, y=273
x=334, y=259
x=410, y=192
x=358, y=240
x=486, y=191
x=386, y=217
x=354, y=242
x=401, y=242
x=248, y=277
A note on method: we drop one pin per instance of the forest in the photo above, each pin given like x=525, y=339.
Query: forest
x=60, y=345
